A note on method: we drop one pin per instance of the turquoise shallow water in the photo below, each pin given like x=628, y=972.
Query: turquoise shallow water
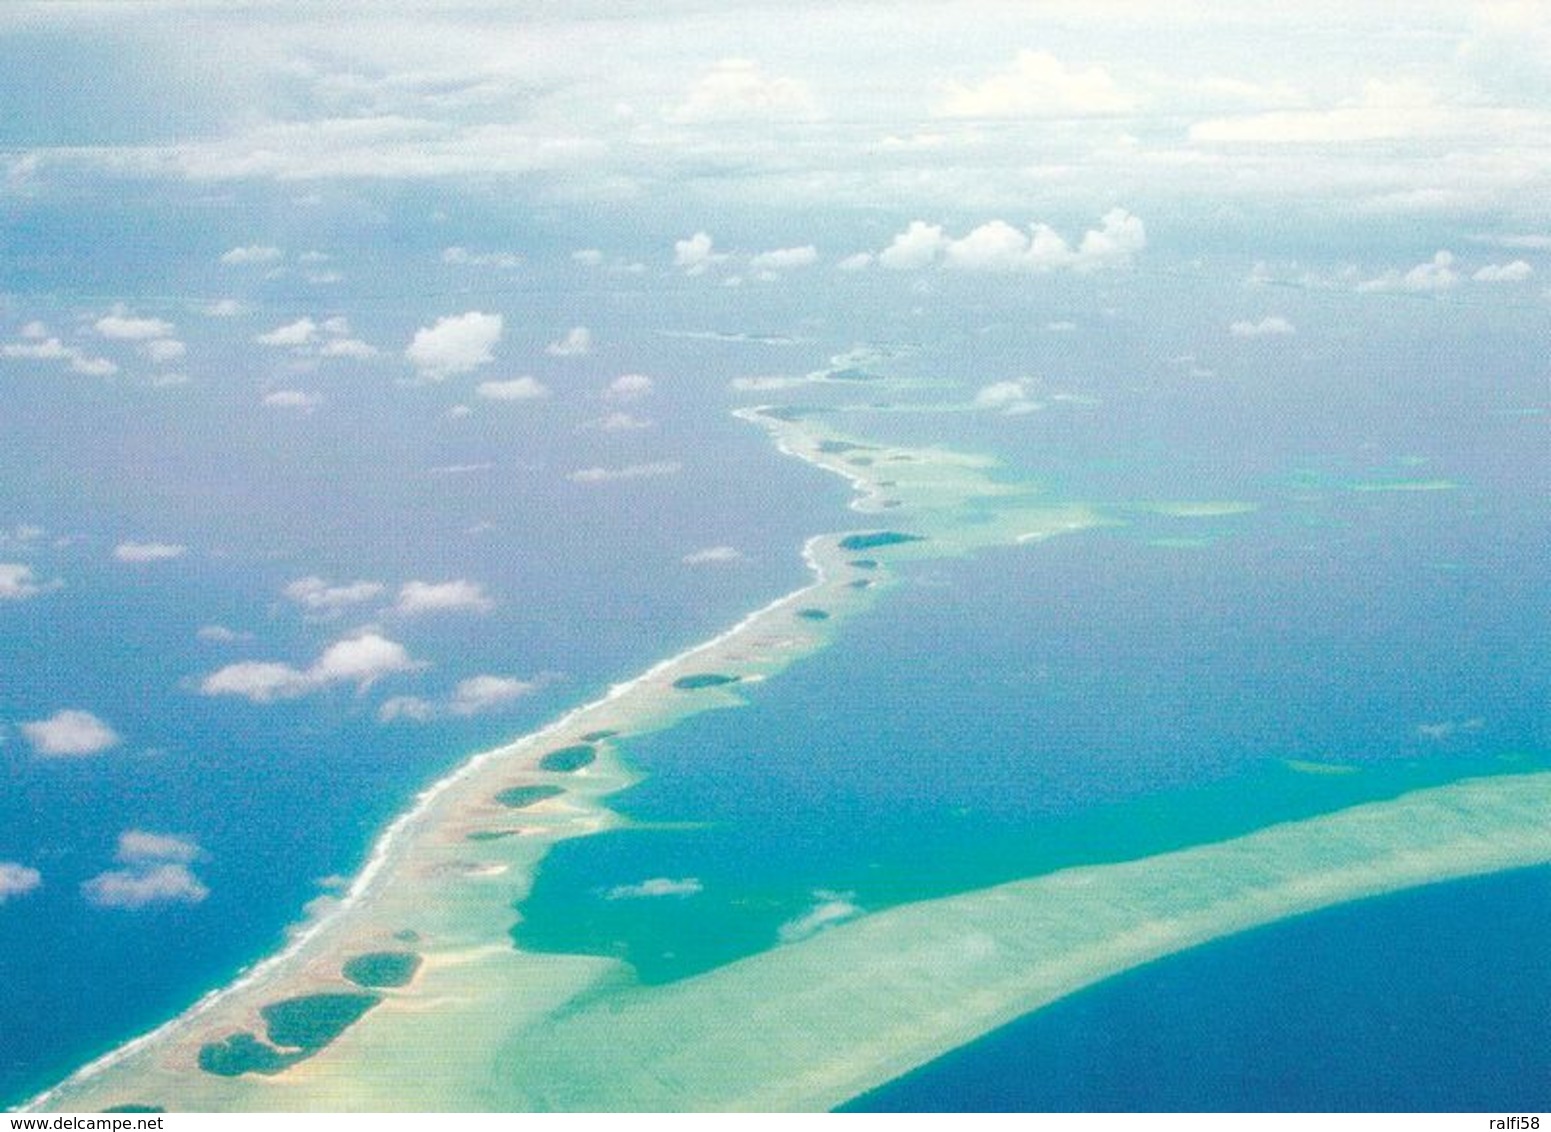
x=1091, y=699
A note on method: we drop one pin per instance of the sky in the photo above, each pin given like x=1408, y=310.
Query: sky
x=1388, y=113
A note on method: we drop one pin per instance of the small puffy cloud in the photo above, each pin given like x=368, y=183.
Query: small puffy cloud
x=576, y=343
x=1272, y=326
x=17, y=880
x=34, y=329
x=414, y=708
x=457, y=596
x=696, y=255
x=292, y=399
x=713, y=554
x=996, y=246
x=261, y=681
x=148, y=551
x=740, y=89
x=1119, y=236
x=858, y=262
x=1515, y=272
x=630, y=472
x=347, y=348
x=317, y=595
x=656, y=887
x=784, y=259
x=516, y=389
x=137, y=887
x=164, y=350
x=462, y=257
x=1036, y=85
x=455, y=344
x=1010, y=398
x=70, y=732
x=917, y=246
x=126, y=327
x=487, y=693
x=137, y=847
x=361, y=660
x=298, y=333
x=251, y=254
x=474, y=696
x=1437, y=274
x=53, y=350
x=619, y=422
x=588, y=257
x=629, y=387
x=222, y=308
x=18, y=582
x=831, y=908
x=220, y=634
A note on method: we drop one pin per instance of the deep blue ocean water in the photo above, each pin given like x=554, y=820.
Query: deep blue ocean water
x=1430, y=1000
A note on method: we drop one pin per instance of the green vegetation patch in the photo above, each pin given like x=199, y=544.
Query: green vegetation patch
x=813, y=614
x=864, y=563
x=841, y=447
x=314, y=1020
x=244, y=1053
x=382, y=968
x=516, y=797
x=491, y=834
x=567, y=759
x=703, y=680
x=874, y=539
x=598, y=736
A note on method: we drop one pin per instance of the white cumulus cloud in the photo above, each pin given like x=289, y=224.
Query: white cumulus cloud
x=18, y=582
x=455, y=344
x=251, y=254
x=741, y=89
x=148, y=551
x=576, y=343
x=292, y=399
x=629, y=387
x=656, y=887
x=137, y=887
x=1036, y=85
x=997, y=246
x=17, y=880
x=1515, y=272
x=486, y=693
x=1437, y=274
x=70, y=732
x=1273, y=325
x=696, y=254
x=312, y=592
x=127, y=327
x=361, y=660
x=712, y=554
x=457, y=596
x=831, y=908
x=785, y=259
x=1012, y=398
x=297, y=333
x=164, y=350
x=53, y=350
x=629, y=472
x=137, y=847
x=514, y=389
